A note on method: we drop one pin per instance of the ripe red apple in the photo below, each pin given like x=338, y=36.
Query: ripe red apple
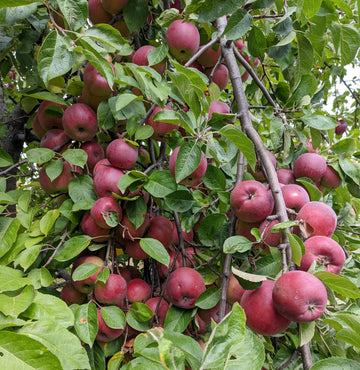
x=89, y=227
x=208, y=314
x=100, y=165
x=37, y=128
x=50, y=115
x=89, y=99
x=269, y=239
x=311, y=165
x=331, y=178
x=55, y=139
x=176, y=4
x=122, y=154
x=341, y=127
x=94, y=151
x=152, y=303
x=161, y=129
x=218, y=107
x=138, y=290
x=188, y=236
x=87, y=285
x=220, y=76
x=106, y=180
x=183, y=39
x=210, y=56
x=134, y=250
x=161, y=228
x=317, y=218
x=243, y=228
x=70, y=295
x=114, y=6
x=234, y=290
x=299, y=296
x=261, y=314
x=113, y=291
x=80, y=122
x=58, y=185
x=285, y=176
x=251, y=202
x=195, y=177
x=127, y=228
x=325, y=251
x=295, y=196
x=97, y=13
x=95, y=83
x=184, y=286
x=140, y=58
x=103, y=209
x=105, y=333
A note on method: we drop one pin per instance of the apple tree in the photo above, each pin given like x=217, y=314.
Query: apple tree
x=180, y=184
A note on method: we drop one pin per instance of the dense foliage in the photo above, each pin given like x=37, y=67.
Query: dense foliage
x=269, y=85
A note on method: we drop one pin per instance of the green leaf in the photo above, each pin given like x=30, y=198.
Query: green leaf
x=77, y=157
x=236, y=243
x=282, y=226
x=187, y=160
x=306, y=332
x=160, y=184
x=350, y=169
x=256, y=42
x=108, y=36
x=238, y=24
x=72, y=247
x=247, y=276
x=214, y=178
x=129, y=178
x=40, y=155
x=9, y=228
x=11, y=305
x=48, y=220
x=177, y=319
x=103, y=276
x=158, y=54
x=338, y=363
x=314, y=192
x=213, y=9
x=5, y=159
x=49, y=307
x=346, y=41
x=55, y=56
x=209, y=226
x=155, y=249
x=339, y=284
x=86, y=323
x=318, y=122
x=75, y=12
x=82, y=188
x=11, y=279
x=139, y=315
x=28, y=256
x=135, y=211
x=113, y=316
x=21, y=352
x=297, y=248
x=243, y=143
x=14, y=3
x=311, y=7
x=135, y=13
x=124, y=99
x=54, y=169
x=40, y=277
x=144, y=132
x=179, y=201
x=84, y=271
x=65, y=345
x=209, y=298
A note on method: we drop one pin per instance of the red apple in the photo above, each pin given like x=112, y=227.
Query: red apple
x=208, y=314
x=113, y=291
x=243, y=228
x=55, y=139
x=58, y=185
x=183, y=39
x=261, y=314
x=218, y=107
x=100, y=165
x=295, y=196
x=104, y=209
x=94, y=151
x=161, y=229
x=210, y=56
x=97, y=13
x=234, y=290
x=269, y=239
x=134, y=250
x=162, y=310
x=50, y=115
x=127, y=229
x=122, y=154
x=37, y=128
x=325, y=251
x=331, y=178
x=220, y=76
x=105, y=333
x=89, y=99
x=311, y=165
x=176, y=4
x=87, y=285
x=184, y=286
x=138, y=290
x=317, y=218
x=80, y=122
x=106, y=180
x=341, y=127
x=114, y=6
x=140, y=58
x=285, y=176
x=89, y=227
x=95, y=83
x=195, y=176
x=251, y=202
x=299, y=296
x=188, y=236
x=161, y=129
x=70, y=295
